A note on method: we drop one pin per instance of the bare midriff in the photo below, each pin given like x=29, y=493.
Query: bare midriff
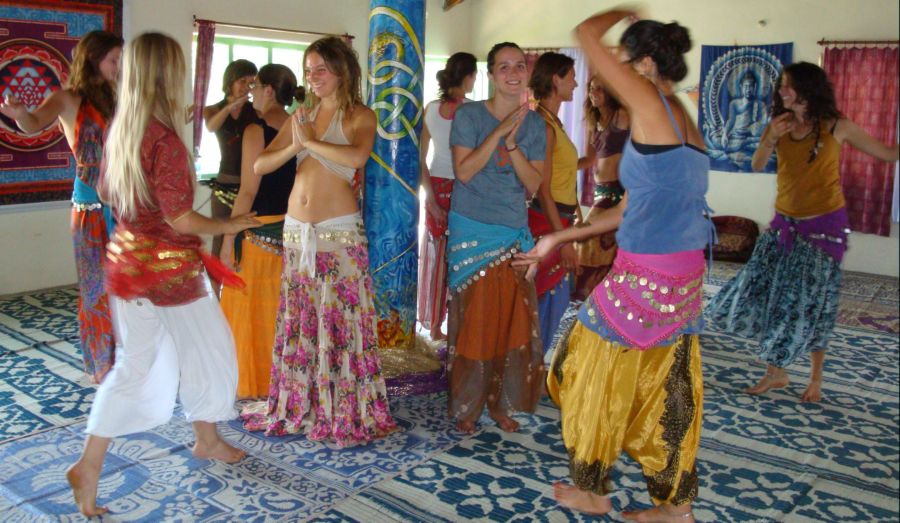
x=319, y=194
x=607, y=169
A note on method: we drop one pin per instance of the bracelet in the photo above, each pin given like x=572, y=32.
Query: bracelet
x=514, y=147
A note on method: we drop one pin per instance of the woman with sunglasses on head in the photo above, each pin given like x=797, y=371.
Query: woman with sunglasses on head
x=256, y=253
x=84, y=109
x=628, y=376
x=495, y=351
x=786, y=296
x=228, y=119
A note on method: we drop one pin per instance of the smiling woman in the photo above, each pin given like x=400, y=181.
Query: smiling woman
x=498, y=151
x=325, y=329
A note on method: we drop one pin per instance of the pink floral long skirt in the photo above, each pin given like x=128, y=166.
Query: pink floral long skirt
x=326, y=372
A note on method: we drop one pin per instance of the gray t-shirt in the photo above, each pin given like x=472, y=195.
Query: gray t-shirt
x=494, y=195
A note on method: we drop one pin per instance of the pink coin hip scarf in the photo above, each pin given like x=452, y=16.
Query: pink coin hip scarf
x=648, y=300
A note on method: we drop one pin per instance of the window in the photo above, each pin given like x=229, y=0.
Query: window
x=226, y=49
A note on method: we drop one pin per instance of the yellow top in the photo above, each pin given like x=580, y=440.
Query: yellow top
x=565, y=164
x=807, y=189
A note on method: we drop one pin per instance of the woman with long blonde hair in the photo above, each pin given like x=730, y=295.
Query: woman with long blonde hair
x=326, y=373
x=175, y=340
x=84, y=108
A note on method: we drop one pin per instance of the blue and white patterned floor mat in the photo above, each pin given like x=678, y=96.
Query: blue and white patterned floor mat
x=762, y=459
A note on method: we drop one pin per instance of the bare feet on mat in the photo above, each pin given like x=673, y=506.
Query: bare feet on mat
x=768, y=382
x=813, y=392
x=662, y=514
x=574, y=498
x=506, y=423
x=218, y=450
x=84, y=480
x=466, y=427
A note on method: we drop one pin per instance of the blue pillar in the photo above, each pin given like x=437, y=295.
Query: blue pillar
x=396, y=66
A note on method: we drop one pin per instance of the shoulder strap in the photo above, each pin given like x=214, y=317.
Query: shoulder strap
x=671, y=117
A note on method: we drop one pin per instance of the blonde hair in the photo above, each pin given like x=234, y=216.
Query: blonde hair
x=342, y=61
x=152, y=87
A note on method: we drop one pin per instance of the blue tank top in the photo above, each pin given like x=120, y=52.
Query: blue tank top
x=667, y=210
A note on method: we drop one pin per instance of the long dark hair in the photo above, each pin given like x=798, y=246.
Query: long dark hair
x=811, y=84
x=85, y=78
x=664, y=43
x=283, y=82
x=459, y=67
x=548, y=65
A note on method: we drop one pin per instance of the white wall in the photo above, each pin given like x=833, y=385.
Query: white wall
x=35, y=245
x=37, y=250
x=721, y=22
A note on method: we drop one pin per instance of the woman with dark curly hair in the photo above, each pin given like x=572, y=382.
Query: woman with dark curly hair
x=627, y=377
x=455, y=80
x=608, y=127
x=787, y=295
x=85, y=108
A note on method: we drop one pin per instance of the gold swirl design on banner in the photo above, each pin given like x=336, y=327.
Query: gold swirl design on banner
x=384, y=70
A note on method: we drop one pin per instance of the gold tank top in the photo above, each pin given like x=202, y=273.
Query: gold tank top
x=805, y=188
x=565, y=163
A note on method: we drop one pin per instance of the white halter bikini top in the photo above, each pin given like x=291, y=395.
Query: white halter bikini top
x=333, y=134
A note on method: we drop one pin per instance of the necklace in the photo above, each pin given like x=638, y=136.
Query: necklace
x=551, y=115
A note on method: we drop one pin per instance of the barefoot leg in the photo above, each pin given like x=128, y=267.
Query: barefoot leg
x=84, y=476
x=813, y=391
x=662, y=514
x=210, y=445
x=775, y=378
x=584, y=501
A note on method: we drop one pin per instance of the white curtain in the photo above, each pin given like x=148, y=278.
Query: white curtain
x=572, y=113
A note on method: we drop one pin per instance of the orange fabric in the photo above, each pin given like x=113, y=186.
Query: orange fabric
x=251, y=315
x=496, y=317
x=805, y=188
x=496, y=354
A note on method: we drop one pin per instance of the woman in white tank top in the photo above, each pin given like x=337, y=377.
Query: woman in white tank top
x=455, y=80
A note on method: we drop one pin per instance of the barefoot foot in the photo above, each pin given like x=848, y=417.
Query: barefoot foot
x=574, y=498
x=813, y=392
x=662, y=514
x=218, y=450
x=506, y=423
x=466, y=427
x=84, y=480
x=767, y=383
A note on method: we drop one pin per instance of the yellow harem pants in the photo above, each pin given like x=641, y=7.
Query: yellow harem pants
x=648, y=403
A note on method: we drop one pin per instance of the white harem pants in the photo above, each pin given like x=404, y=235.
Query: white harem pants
x=184, y=350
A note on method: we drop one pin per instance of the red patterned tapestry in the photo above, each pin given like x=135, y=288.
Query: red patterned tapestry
x=867, y=87
x=36, y=42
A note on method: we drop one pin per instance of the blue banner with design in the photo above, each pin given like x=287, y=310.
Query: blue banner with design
x=396, y=68
x=736, y=88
